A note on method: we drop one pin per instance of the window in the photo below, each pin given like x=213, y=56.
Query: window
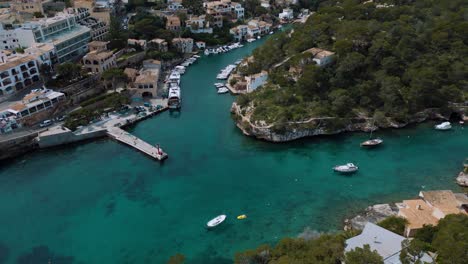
x=24, y=113
x=40, y=107
x=54, y=100
x=47, y=103
x=32, y=110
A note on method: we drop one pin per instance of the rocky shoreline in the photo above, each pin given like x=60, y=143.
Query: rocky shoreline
x=373, y=214
x=327, y=125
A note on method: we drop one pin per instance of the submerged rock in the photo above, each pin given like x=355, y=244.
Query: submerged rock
x=373, y=214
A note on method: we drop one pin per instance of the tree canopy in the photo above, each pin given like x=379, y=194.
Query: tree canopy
x=363, y=256
x=393, y=61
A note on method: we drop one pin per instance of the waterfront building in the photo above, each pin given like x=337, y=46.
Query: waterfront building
x=37, y=105
x=69, y=39
x=184, y=45
x=256, y=80
x=173, y=23
x=198, y=24
x=17, y=71
x=44, y=53
x=239, y=33
x=387, y=244
x=158, y=44
x=145, y=82
x=262, y=26
x=429, y=209
x=286, y=15
x=253, y=31
x=99, y=58
x=320, y=56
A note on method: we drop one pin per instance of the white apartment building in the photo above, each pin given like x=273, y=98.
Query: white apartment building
x=17, y=71
x=184, y=45
x=198, y=24
x=44, y=53
x=62, y=31
x=8, y=39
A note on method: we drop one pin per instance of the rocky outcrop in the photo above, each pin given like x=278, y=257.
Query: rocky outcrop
x=320, y=125
x=373, y=214
x=462, y=179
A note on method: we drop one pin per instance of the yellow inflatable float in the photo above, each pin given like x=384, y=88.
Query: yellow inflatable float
x=240, y=217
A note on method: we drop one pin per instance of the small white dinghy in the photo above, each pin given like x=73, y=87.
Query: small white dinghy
x=216, y=221
x=443, y=126
x=347, y=168
x=223, y=90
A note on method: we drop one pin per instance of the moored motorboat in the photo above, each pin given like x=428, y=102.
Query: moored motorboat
x=216, y=221
x=372, y=142
x=347, y=168
x=219, y=85
x=223, y=90
x=443, y=126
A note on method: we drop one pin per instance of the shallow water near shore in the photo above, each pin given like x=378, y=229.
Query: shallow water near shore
x=103, y=202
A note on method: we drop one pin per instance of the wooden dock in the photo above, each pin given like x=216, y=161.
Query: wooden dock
x=132, y=141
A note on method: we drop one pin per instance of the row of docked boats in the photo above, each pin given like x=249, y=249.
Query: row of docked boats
x=224, y=73
x=223, y=49
x=174, y=99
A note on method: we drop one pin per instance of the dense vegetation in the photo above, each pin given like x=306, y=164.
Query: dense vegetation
x=389, y=62
x=449, y=240
x=395, y=224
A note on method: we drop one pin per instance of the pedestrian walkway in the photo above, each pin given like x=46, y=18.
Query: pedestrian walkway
x=132, y=141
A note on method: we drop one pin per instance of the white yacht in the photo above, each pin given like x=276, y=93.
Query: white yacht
x=347, y=168
x=180, y=69
x=216, y=221
x=174, y=100
x=443, y=126
x=223, y=90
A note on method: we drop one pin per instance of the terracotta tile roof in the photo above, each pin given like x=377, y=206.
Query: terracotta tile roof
x=418, y=213
x=444, y=200
x=319, y=53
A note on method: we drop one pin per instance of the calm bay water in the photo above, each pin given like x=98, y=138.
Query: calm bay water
x=102, y=202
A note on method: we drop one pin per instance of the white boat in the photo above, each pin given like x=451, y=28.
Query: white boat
x=223, y=90
x=216, y=221
x=258, y=37
x=207, y=52
x=180, y=69
x=347, y=168
x=219, y=85
x=372, y=142
x=174, y=100
x=443, y=126
x=250, y=40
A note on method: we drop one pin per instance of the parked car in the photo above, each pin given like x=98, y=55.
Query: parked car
x=60, y=118
x=45, y=123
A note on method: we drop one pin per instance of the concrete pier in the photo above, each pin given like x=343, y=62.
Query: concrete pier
x=132, y=141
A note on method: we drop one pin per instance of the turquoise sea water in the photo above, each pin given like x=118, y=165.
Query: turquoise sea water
x=102, y=202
